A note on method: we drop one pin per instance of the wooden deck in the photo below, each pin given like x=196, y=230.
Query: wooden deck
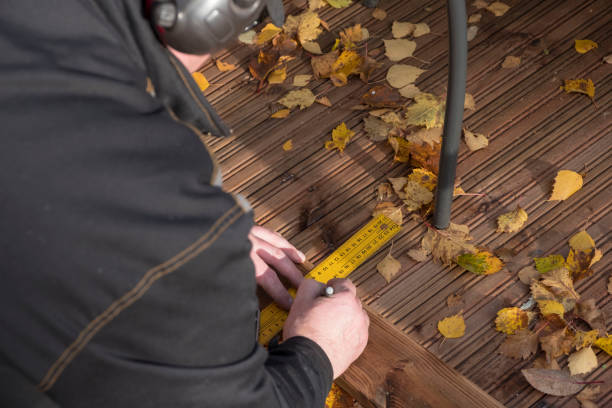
x=534, y=130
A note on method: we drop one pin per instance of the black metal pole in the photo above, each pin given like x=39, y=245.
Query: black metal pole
x=453, y=118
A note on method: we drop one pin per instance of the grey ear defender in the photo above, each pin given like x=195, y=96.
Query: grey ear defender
x=205, y=26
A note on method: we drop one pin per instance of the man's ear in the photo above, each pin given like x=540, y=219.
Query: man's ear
x=190, y=61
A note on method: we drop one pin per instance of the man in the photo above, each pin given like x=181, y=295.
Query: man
x=126, y=277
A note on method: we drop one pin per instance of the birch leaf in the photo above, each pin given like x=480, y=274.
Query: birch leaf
x=511, y=319
x=283, y=113
x=452, y=327
x=224, y=66
x=474, y=18
x=511, y=62
x=300, y=97
x=445, y=246
x=416, y=195
x=520, y=345
x=339, y=3
x=584, y=86
x=324, y=100
x=468, y=102
x=379, y=14
x=341, y=135
x=582, y=241
x=420, y=29
x=584, y=339
x=399, y=49
x=552, y=382
x=428, y=111
x=587, y=395
x=527, y=274
x=498, y=8
x=278, y=76
x=582, y=362
x=556, y=344
x=480, y=263
x=584, y=46
x=248, y=37
x=267, y=33
x=431, y=136
x=388, y=209
x=401, y=75
x=548, y=307
x=604, y=343
x=560, y=283
x=480, y=4
x=301, y=80
x=418, y=254
x=348, y=63
x=322, y=66
x=566, y=183
x=409, y=91
x=511, y=221
x=388, y=267
x=401, y=29
x=376, y=129
x=549, y=263
x=312, y=47
x=308, y=26
x=475, y=141
x=588, y=311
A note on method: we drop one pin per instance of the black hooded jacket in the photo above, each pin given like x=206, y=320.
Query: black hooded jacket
x=125, y=278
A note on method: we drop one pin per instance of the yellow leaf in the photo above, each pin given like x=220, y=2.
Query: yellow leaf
x=480, y=263
x=511, y=62
x=324, y=100
x=348, y=63
x=427, y=111
x=584, y=46
x=401, y=75
x=566, y=183
x=322, y=66
x=604, y=343
x=475, y=141
x=452, y=327
x=584, y=339
x=397, y=50
x=388, y=209
x=308, y=27
x=582, y=241
x=582, y=362
x=224, y=66
x=549, y=263
x=315, y=4
x=283, y=113
x=511, y=221
x=248, y=37
x=416, y=195
x=548, y=307
x=424, y=177
x=339, y=3
x=200, y=79
x=445, y=246
x=302, y=97
x=584, y=86
x=288, y=145
x=389, y=267
x=420, y=29
x=402, y=29
x=498, y=8
x=340, y=137
x=277, y=76
x=267, y=33
x=379, y=14
x=510, y=319
x=458, y=191
x=301, y=80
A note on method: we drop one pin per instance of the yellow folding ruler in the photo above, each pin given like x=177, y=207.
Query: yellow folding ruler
x=339, y=264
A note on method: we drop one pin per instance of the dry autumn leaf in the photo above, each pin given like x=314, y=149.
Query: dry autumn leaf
x=283, y=113
x=200, y=79
x=446, y=245
x=401, y=75
x=510, y=319
x=604, y=343
x=511, y=62
x=420, y=29
x=379, y=14
x=339, y=3
x=401, y=29
x=389, y=267
x=567, y=182
x=588, y=311
x=322, y=66
x=324, y=100
x=556, y=344
x=608, y=59
x=409, y=91
x=521, y=345
x=582, y=255
x=267, y=33
x=511, y=221
x=390, y=211
x=587, y=395
x=475, y=141
x=431, y=136
x=548, y=307
x=413, y=193
x=288, y=145
x=560, y=283
x=301, y=80
x=263, y=64
x=498, y=8
x=468, y=102
x=527, y=274
x=376, y=129
x=428, y=111
x=224, y=66
x=480, y=263
x=610, y=285
x=552, y=382
x=452, y=327
x=584, y=339
x=248, y=37
x=418, y=254
x=341, y=135
x=546, y=264
x=348, y=63
x=584, y=86
x=308, y=26
x=277, y=76
x=382, y=97
x=399, y=49
x=471, y=32
x=582, y=362
x=312, y=47
x=474, y=18
x=300, y=97
x=584, y=46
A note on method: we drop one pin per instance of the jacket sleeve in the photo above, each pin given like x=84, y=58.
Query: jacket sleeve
x=125, y=264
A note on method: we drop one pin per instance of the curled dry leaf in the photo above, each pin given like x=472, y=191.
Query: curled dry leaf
x=584, y=86
x=582, y=362
x=301, y=80
x=471, y=32
x=401, y=29
x=300, y=97
x=511, y=319
x=452, y=327
x=390, y=211
x=376, y=129
x=521, y=345
x=475, y=141
x=511, y=62
x=582, y=255
x=412, y=192
x=282, y=113
x=549, y=263
x=379, y=14
x=552, y=382
x=468, y=102
x=368, y=66
x=431, y=136
x=608, y=59
x=512, y=221
x=399, y=49
x=382, y=97
x=566, y=183
x=341, y=135
x=420, y=29
x=498, y=8
x=263, y=64
x=384, y=191
x=541, y=362
x=480, y=263
x=446, y=245
x=560, y=283
x=348, y=63
x=322, y=66
x=588, y=311
x=584, y=339
x=288, y=145
x=427, y=111
x=418, y=254
x=584, y=46
x=389, y=267
x=401, y=75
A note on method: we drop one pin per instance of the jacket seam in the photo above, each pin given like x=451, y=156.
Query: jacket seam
x=137, y=292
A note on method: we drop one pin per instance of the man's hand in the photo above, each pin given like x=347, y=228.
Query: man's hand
x=337, y=323
x=272, y=254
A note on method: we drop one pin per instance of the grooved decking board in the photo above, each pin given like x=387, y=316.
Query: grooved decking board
x=534, y=130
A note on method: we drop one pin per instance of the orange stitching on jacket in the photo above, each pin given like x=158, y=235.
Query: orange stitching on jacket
x=134, y=294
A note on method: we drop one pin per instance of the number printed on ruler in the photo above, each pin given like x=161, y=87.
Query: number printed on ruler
x=344, y=260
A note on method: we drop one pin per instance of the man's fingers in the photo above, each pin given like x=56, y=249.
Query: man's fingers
x=278, y=259
x=309, y=290
x=340, y=285
x=269, y=282
x=278, y=241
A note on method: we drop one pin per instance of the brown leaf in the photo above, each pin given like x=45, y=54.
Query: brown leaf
x=454, y=300
x=382, y=97
x=431, y=136
x=301, y=80
x=376, y=129
x=447, y=245
x=475, y=141
x=390, y=211
x=511, y=62
x=384, y=192
x=379, y=14
x=520, y=345
x=418, y=254
x=474, y=18
x=368, y=66
x=389, y=267
x=420, y=29
x=588, y=311
x=552, y=382
x=587, y=395
x=324, y=100
x=401, y=75
x=397, y=50
x=541, y=362
x=402, y=29
x=322, y=66
x=468, y=102
x=560, y=283
x=425, y=155
x=527, y=274
x=261, y=66
x=556, y=344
